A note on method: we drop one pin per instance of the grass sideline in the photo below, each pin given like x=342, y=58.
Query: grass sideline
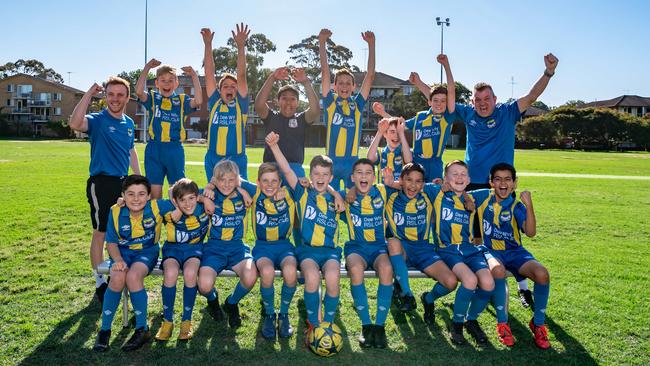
x=592, y=235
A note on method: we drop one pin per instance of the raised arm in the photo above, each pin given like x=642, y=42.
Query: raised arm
x=133, y=161
x=326, y=83
x=313, y=112
x=530, y=225
x=208, y=61
x=425, y=89
x=196, y=83
x=378, y=108
x=240, y=39
x=140, y=85
x=261, y=107
x=382, y=126
x=369, y=37
x=451, y=85
x=78, y=120
x=272, y=140
x=407, y=155
x=550, y=61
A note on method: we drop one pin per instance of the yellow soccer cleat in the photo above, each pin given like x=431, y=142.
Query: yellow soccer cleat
x=165, y=331
x=186, y=330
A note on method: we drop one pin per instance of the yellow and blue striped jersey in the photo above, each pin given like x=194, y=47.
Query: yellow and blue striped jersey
x=502, y=221
x=228, y=221
x=430, y=133
x=167, y=115
x=365, y=216
x=189, y=229
x=272, y=220
x=227, y=125
x=140, y=232
x=392, y=159
x=318, y=217
x=410, y=218
x=343, y=121
x=453, y=223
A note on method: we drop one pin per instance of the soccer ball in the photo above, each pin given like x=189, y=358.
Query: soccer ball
x=325, y=340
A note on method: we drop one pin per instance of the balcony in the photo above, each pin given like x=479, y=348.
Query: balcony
x=21, y=95
x=39, y=118
x=20, y=111
x=40, y=103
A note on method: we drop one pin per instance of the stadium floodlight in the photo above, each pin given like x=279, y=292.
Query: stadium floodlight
x=442, y=24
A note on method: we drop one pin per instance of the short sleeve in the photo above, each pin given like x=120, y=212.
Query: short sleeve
x=360, y=100
x=111, y=235
x=243, y=103
x=187, y=104
x=249, y=187
x=479, y=196
x=410, y=123
x=148, y=105
x=520, y=215
x=93, y=122
x=328, y=99
x=463, y=111
x=451, y=117
x=511, y=111
x=297, y=192
x=212, y=100
x=165, y=206
x=431, y=190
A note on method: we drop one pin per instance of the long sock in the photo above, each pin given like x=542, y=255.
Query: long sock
x=384, y=295
x=436, y=292
x=109, y=307
x=237, y=294
x=189, y=298
x=211, y=295
x=479, y=302
x=268, y=297
x=401, y=273
x=360, y=299
x=523, y=284
x=286, y=295
x=139, y=302
x=312, y=303
x=499, y=299
x=540, y=295
x=331, y=302
x=168, y=299
x=463, y=298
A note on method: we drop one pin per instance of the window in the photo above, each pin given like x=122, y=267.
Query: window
x=57, y=111
x=10, y=87
x=8, y=102
x=194, y=120
x=408, y=90
x=192, y=91
x=56, y=96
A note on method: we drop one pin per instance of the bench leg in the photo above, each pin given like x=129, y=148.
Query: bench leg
x=125, y=307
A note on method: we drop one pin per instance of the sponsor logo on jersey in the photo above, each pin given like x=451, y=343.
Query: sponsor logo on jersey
x=260, y=217
x=398, y=218
x=487, y=227
x=447, y=214
x=356, y=220
x=337, y=119
x=310, y=213
x=181, y=236
x=217, y=220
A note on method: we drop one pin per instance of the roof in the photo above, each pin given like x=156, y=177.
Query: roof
x=58, y=85
x=381, y=80
x=622, y=101
x=534, y=111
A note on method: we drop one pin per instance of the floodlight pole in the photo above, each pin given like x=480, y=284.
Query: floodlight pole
x=442, y=24
x=144, y=120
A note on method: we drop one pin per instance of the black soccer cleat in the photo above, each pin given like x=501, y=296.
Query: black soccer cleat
x=456, y=331
x=232, y=311
x=366, y=340
x=139, y=338
x=214, y=309
x=526, y=298
x=407, y=303
x=379, y=333
x=429, y=309
x=101, y=342
x=269, y=326
x=474, y=329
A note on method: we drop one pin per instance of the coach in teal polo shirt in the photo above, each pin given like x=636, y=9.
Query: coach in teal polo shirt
x=111, y=136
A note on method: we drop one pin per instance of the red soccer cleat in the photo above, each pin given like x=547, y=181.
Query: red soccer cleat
x=505, y=334
x=541, y=335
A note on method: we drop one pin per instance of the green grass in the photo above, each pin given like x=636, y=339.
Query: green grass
x=592, y=235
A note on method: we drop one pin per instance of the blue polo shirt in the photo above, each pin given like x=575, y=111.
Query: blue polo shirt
x=490, y=140
x=110, y=140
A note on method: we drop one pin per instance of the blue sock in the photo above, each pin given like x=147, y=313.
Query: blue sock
x=168, y=299
x=109, y=307
x=286, y=295
x=311, y=304
x=139, y=301
x=401, y=273
x=238, y=293
x=479, y=302
x=384, y=296
x=211, y=295
x=360, y=299
x=463, y=298
x=189, y=297
x=436, y=292
x=268, y=295
x=540, y=295
x=331, y=302
x=499, y=299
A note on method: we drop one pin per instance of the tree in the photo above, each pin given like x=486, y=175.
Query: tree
x=541, y=105
x=29, y=67
x=574, y=103
x=132, y=78
x=305, y=54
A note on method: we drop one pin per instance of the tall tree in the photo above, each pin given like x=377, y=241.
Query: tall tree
x=29, y=67
x=305, y=54
x=541, y=105
x=574, y=103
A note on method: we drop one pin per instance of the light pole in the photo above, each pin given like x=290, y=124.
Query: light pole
x=144, y=119
x=442, y=24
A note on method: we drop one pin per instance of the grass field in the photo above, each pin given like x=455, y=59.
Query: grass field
x=593, y=235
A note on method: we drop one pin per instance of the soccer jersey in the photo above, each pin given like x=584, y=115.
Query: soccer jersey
x=410, y=218
x=365, y=216
x=490, y=140
x=111, y=141
x=189, y=229
x=453, y=223
x=227, y=125
x=228, y=222
x=343, y=121
x=166, y=116
x=272, y=220
x=318, y=217
x=392, y=159
x=430, y=133
x=502, y=222
x=137, y=233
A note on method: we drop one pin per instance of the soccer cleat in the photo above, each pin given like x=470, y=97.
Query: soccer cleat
x=100, y=291
x=138, y=339
x=308, y=329
x=268, y=329
x=526, y=298
x=186, y=330
x=215, y=310
x=456, y=331
x=474, y=329
x=429, y=309
x=379, y=333
x=284, y=326
x=366, y=339
x=101, y=342
x=541, y=335
x=232, y=311
x=407, y=303
x=505, y=334
x=397, y=292
x=165, y=331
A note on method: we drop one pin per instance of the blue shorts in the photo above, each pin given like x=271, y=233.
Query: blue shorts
x=220, y=255
x=164, y=159
x=469, y=254
x=276, y=251
x=320, y=255
x=211, y=160
x=512, y=259
x=181, y=252
x=432, y=167
x=419, y=254
x=342, y=170
x=368, y=251
x=147, y=256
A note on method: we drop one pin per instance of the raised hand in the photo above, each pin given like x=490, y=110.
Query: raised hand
x=281, y=73
x=378, y=108
x=324, y=35
x=152, y=64
x=280, y=195
x=272, y=139
x=95, y=89
x=176, y=215
x=188, y=70
x=299, y=75
x=551, y=63
x=304, y=182
x=241, y=35
x=207, y=35
x=382, y=125
x=526, y=198
x=401, y=126
x=351, y=196
x=369, y=37
x=469, y=202
x=414, y=78
x=442, y=59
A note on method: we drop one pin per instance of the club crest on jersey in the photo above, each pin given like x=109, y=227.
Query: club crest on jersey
x=203, y=217
x=310, y=213
x=491, y=123
x=377, y=203
x=420, y=204
x=356, y=220
x=281, y=205
x=217, y=220
x=398, y=218
x=293, y=123
x=447, y=214
x=239, y=206
x=176, y=102
x=331, y=206
x=505, y=216
x=398, y=160
x=260, y=217
x=129, y=131
x=337, y=119
x=181, y=236
x=148, y=222
x=487, y=227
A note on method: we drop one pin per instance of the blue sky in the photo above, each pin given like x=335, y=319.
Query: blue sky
x=602, y=45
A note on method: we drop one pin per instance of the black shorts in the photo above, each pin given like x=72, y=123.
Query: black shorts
x=102, y=192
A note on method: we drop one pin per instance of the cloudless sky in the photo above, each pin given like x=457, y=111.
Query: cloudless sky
x=603, y=46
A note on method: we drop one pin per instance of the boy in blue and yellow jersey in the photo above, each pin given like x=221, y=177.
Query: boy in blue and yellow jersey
x=273, y=212
x=225, y=248
x=364, y=214
x=343, y=110
x=132, y=243
x=228, y=106
x=164, y=155
x=503, y=217
x=186, y=228
x=397, y=152
x=318, y=211
x=409, y=213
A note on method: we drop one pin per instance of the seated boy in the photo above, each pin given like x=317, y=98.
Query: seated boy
x=397, y=151
x=166, y=110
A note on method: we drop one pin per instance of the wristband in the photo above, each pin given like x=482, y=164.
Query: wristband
x=547, y=74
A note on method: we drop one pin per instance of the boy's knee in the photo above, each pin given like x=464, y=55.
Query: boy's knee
x=542, y=276
x=499, y=272
x=450, y=282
